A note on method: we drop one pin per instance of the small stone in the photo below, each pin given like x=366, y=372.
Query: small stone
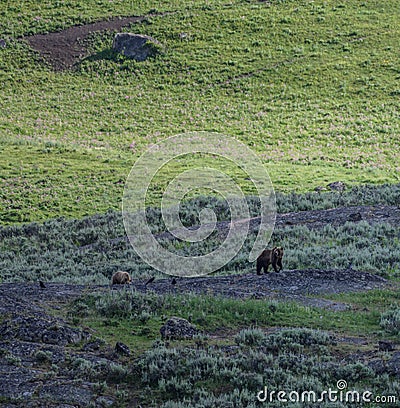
x=385, y=345
x=105, y=401
x=337, y=186
x=177, y=328
x=93, y=345
x=122, y=348
x=355, y=217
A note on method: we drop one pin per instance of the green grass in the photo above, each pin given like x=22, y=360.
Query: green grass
x=135, y=335
x=312, y=88
x=378, y=299
x=30, y=16
x=119, y=317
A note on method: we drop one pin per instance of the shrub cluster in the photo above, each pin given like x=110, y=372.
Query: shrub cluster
x=289, y=340
x=390, y=320
x=231, y=376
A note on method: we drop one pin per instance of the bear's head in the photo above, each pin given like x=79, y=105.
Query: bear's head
x=277, y=253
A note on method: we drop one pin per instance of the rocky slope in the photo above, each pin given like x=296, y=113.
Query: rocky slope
x=40, y=354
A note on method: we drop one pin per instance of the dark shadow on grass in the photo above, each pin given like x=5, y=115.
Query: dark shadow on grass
x=106, y=55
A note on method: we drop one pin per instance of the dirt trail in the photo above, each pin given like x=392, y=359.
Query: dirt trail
x=304, y=286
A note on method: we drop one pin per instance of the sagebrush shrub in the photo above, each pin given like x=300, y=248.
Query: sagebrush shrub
x=250, y=337
x=390, y=320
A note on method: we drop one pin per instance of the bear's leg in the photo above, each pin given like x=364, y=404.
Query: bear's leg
x=259, y=266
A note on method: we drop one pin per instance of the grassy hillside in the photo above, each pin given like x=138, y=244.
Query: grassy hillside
x=312, y=87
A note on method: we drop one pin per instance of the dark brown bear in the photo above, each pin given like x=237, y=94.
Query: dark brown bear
x=270, y=256
x=120, y=278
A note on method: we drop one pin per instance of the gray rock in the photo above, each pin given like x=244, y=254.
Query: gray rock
x=67, y=393
x=94, y=345
x=337, y=186
x=17, y=381
x=178, y=328
x=3, y=43
x=105, y=401
x=354, y=217
x=39, y=330
x=390, y=367
x=122, y=348
x=386, y=345
x=136, y=46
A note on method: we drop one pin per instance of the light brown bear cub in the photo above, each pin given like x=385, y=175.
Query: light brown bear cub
x=120, y=278
x=270, y=256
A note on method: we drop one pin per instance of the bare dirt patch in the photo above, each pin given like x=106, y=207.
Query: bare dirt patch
x=63, y=49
